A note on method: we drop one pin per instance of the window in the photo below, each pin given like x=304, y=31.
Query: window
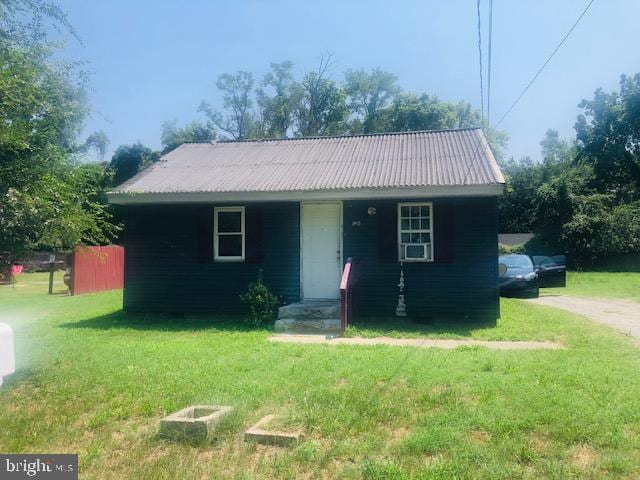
x=415, y=232
x=228, y=233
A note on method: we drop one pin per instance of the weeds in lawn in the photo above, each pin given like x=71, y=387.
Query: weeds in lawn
x=95, y=381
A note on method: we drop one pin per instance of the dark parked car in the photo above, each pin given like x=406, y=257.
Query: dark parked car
x=518, y=276
x=552, y=271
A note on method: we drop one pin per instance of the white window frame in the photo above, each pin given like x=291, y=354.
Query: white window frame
x=430, y=232
x=216, y=234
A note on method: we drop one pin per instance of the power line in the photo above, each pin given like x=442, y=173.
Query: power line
x=489, y=63
x=476, y=150
x=480, y=58
x=475, y=157
x=545, y=63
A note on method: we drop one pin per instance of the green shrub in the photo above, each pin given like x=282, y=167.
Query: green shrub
x=510, y=249
x=625, y=228
x=261, y=303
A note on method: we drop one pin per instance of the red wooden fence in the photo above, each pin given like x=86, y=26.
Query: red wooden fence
x=97, y=268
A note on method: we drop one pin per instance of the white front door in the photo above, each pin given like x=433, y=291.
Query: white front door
x=321, y=256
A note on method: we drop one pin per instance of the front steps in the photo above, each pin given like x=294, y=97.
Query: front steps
x=309, y=317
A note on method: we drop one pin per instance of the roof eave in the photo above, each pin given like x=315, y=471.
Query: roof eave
x=130, y=198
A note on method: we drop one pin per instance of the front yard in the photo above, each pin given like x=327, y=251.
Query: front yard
x=95, y=381
x=601, y=284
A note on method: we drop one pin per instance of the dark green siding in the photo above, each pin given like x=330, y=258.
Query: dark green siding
x=163, y=272
x=465, y=288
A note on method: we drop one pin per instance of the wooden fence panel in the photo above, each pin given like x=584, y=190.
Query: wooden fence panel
x=97, y=268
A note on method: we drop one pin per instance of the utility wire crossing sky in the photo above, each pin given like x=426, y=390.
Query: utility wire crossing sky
x=156, y=61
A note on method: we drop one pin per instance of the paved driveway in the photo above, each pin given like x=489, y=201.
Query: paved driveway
x=623, y=315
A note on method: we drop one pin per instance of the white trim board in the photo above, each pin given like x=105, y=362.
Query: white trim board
x=431, y=235
x=217, y=234
x=488, y=190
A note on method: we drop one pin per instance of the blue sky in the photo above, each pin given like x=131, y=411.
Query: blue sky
x=156, y=60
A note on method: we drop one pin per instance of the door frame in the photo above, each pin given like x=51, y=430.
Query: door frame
x=340, y=204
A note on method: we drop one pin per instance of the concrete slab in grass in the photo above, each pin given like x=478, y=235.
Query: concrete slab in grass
x=260, y=433
x=193, y=424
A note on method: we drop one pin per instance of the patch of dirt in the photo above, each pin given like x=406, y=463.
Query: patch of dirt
x=439, y=389
x=206, y=455
x=440, y=410
x=630, y=431
x=540, y=443
x=583, y=457
x=430, y=459
x=341, y=383
x=398, y=435
x=155, y=454
x=479, y=437
x=470, y=399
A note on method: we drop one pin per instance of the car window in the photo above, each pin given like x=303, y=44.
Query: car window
x=544, y=261
x=516, y=261
x=541, y=261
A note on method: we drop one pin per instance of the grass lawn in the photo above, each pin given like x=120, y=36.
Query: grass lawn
x=95, y=381
x=601, y=284
x=517, y=323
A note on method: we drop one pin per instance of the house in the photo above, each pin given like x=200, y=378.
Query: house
x=202, y=222
x=514, y=239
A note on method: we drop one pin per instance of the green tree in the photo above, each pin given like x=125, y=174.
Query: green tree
x=410, y=112
x=555, y=149
x=47, y=197
x=518, y=203
x=129, y=160
x=97, y=141
x=369, y=93
x=322, y=104
x=467, y=117
x=625, y=228
x=194, y=132
x=537, y=194
x=277, y=109
x=608, y=138
x=556, y=199
x=239, y=120
x=586, y=234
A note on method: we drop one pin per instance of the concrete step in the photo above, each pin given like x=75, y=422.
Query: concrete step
x=310, y=310
x=324, y=326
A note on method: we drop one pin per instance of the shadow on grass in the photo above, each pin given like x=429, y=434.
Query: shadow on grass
x=164, y=322
x=235, y=323
x=389, y=326
x=21, y=375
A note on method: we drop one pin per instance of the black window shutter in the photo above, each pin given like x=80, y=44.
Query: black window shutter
x=387, y=214
x=205, y=235
x=443, y=232
x=253, y=234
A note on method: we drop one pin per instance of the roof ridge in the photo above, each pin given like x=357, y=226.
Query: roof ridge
x=319, y=137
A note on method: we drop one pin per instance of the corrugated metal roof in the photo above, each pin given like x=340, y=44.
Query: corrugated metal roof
x=393, y=160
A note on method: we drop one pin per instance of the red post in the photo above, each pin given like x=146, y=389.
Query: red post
x=345, y=285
